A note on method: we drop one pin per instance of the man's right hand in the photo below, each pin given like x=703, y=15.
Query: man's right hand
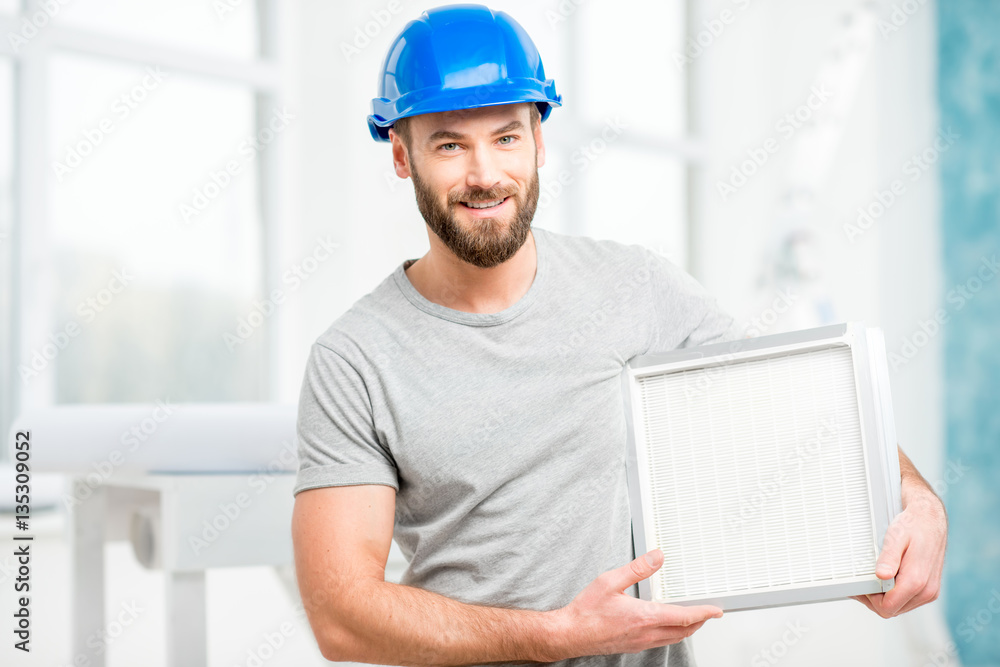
x=342, y=536
x=602, y=619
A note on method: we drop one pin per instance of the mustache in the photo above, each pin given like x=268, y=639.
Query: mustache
x=479, y=195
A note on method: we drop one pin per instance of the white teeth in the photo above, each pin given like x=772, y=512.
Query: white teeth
x=485, y=204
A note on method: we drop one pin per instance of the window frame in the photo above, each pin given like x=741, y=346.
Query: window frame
x=685, y=149
x=30, y=269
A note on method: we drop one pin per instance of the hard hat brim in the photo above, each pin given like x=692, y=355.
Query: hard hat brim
x=385, y=112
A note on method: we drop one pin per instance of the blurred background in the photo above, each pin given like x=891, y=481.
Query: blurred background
x=166, y=167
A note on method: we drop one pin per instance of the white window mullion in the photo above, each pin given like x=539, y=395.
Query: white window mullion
x=33, y=291
x=258, y=74
x=269, y=197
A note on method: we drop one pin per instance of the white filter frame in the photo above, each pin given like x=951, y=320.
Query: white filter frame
x=878, y=442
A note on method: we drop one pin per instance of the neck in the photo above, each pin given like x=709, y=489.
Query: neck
x=444, y=279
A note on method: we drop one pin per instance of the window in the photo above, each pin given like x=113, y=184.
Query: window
x=617, y=151
x=156, y=246
x=223, y=28
x=134, y=241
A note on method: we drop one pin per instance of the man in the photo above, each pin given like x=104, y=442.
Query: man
x=470, y=404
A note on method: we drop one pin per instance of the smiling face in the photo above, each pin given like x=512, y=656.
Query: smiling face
x=475, y=175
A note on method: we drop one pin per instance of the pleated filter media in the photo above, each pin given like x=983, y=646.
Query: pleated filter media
x=763, y=467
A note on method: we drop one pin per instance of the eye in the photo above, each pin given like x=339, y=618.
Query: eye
x=506, y=143
x=445, y=146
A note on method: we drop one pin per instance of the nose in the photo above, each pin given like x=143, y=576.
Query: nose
x=482, y=171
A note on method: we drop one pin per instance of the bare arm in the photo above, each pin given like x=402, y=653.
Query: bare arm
x=913, y=549
x=342, y=536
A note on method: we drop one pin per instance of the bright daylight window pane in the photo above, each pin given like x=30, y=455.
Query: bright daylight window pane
x=637, y=197
x=547, y=27
x=626, y=65
x=127, y=151
x=222, y=28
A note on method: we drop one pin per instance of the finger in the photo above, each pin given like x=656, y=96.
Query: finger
x=641, y=568
x=895, y=543
x=864, y=599
x=926, y=596
x=680, y=616
x=930, y=592
x=674, y=635
x=876, y=602
x=911, y=578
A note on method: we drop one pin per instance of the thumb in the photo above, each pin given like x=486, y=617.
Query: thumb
x=637, y=570
x=893, y=546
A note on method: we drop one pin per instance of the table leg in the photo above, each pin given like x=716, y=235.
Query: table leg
x=86, y=543
x=187, y=645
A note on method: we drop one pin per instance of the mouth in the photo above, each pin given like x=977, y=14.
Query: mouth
x=484, y=205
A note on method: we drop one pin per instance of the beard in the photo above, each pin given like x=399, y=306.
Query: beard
x=490, y=241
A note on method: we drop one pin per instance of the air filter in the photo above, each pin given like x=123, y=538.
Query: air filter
x=765, y=469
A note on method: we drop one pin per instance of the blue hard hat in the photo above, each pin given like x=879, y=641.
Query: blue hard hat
x=459, y=57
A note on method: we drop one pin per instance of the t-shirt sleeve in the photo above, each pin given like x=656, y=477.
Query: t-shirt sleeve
x=685, y=314
x=337, y=440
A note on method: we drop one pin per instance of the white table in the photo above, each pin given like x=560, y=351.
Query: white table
x=185, y=524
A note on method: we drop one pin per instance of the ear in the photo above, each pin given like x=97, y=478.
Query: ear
x=539, y=142
x=400, y=158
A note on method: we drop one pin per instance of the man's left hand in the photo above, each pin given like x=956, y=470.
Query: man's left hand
x=913, y=549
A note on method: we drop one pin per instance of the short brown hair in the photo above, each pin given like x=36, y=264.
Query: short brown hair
x=402, y=126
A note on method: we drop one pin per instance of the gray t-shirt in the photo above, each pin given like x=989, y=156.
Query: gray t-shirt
x=502, y=433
